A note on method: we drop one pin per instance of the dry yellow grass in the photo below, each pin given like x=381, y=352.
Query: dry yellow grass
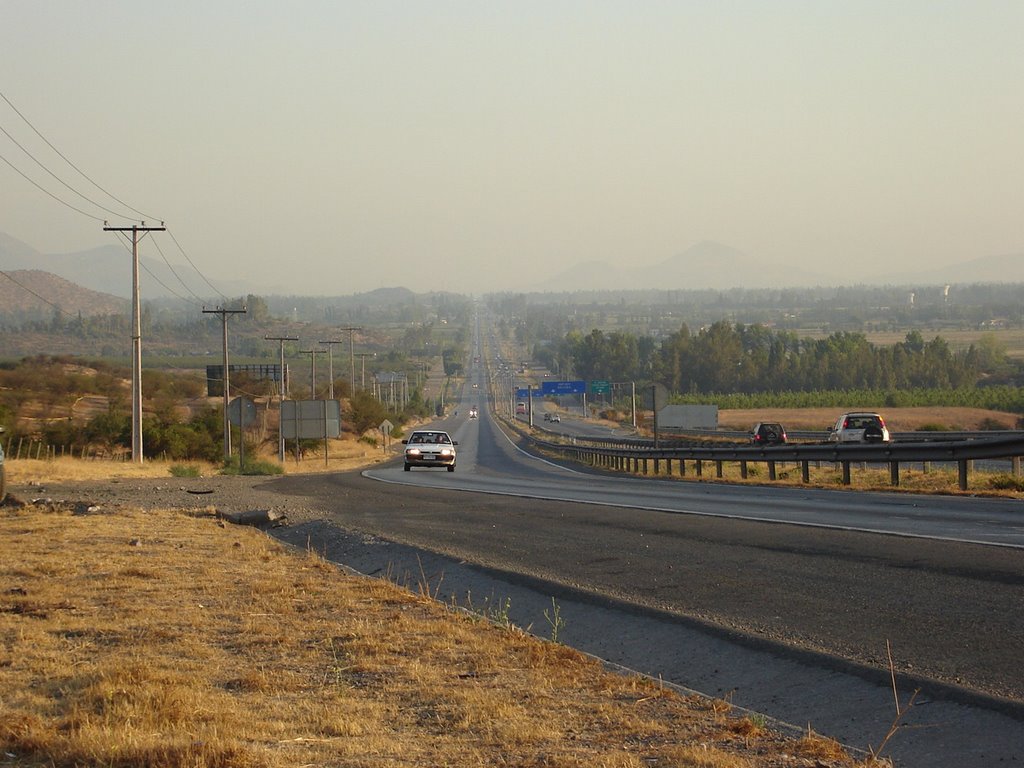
x=165, y=639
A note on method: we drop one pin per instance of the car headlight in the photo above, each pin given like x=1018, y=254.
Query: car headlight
x=412, y=452
x=446, y=451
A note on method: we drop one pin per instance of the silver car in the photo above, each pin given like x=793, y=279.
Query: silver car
x=859, y=427
x=429, y=448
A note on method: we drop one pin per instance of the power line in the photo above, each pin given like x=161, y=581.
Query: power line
x=57, y=178
x=68, y=161
x=48, y=192
x=29, y=290
x=171, y=234
x=173, y=272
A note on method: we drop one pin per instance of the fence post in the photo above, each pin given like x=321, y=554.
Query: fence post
x=805, y=471
x=771, y=470
x=962, y=472
x=846, y=472
x=894, y=472
x=1016, y=466
x=718, y=468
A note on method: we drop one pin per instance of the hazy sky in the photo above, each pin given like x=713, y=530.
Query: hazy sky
x=335, y=147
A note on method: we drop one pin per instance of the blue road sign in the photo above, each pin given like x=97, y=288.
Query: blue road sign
x=564, y=387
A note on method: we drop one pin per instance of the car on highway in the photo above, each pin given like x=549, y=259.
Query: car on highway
x=859, y=427
x=520, y=408
x=430, y=448
x=768, y=433
x=554, y=418
x=472, y=413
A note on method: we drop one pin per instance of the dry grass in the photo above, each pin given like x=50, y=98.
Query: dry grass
x=164, y=639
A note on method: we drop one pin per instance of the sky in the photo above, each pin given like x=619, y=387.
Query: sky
x=338, y=146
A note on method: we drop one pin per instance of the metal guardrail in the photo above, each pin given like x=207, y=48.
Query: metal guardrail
x=822, y=435
x=640, y=455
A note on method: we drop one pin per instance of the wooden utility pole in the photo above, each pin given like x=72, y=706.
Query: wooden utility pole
x=330, y=365
x=312, y=368
x=136, y=333
x=280, y=394
x=351, y=356
x=227, y=424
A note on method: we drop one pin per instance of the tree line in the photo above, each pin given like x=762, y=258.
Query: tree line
x=735, y=358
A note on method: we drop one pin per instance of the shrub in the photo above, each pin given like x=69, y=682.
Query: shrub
x=185, y=470
x=251, y=467
x=1006, y=482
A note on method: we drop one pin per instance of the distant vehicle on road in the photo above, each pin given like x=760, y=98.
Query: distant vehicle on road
x=520, y=408
x=768, y=433
x=472, y=413
x=859, y=428
x=430, y=448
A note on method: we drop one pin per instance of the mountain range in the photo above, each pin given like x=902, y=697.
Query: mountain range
x=108, y=269
x=705, y=265
x=710, y=265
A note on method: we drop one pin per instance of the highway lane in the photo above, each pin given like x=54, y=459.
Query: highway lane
x=489, y=462
x=664, y=576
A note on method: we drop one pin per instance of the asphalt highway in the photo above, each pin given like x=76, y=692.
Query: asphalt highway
x=781, y=599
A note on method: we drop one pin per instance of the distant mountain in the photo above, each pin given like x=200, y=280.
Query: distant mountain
x=21, y=289
x=108, y=269
x=704, y=265
x=1004, y=268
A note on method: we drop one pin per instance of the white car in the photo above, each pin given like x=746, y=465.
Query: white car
x=859, y=428
x=472, y=413
x=429, y=448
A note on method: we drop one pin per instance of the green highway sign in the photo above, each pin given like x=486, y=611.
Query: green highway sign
x=599, y=387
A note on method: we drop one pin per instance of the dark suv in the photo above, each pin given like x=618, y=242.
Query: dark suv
x=767, y=433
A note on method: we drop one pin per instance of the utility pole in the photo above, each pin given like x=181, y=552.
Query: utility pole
x=362, y=356
x=330, y=366
x=351, y=355
x=280, y=394
x=312, y=368
x=227, y=424
x=136, y=333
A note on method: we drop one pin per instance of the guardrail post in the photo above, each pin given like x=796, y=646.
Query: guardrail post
x=743, y=470
x=668, y=467
x=657, y=467
x=645, y=466
x=699, y=465
x=805, y=471
x=718, y=468
x=1016, y=466
x=962, y=472
x=846, y=472
x=894, y=472
x=771, y=470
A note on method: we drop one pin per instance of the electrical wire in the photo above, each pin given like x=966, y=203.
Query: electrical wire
x=38, y=162
x=29, y=290
x=98, y=205
x=173, y=272
x=48, y=192
x=66, y=160
x=171, y=234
